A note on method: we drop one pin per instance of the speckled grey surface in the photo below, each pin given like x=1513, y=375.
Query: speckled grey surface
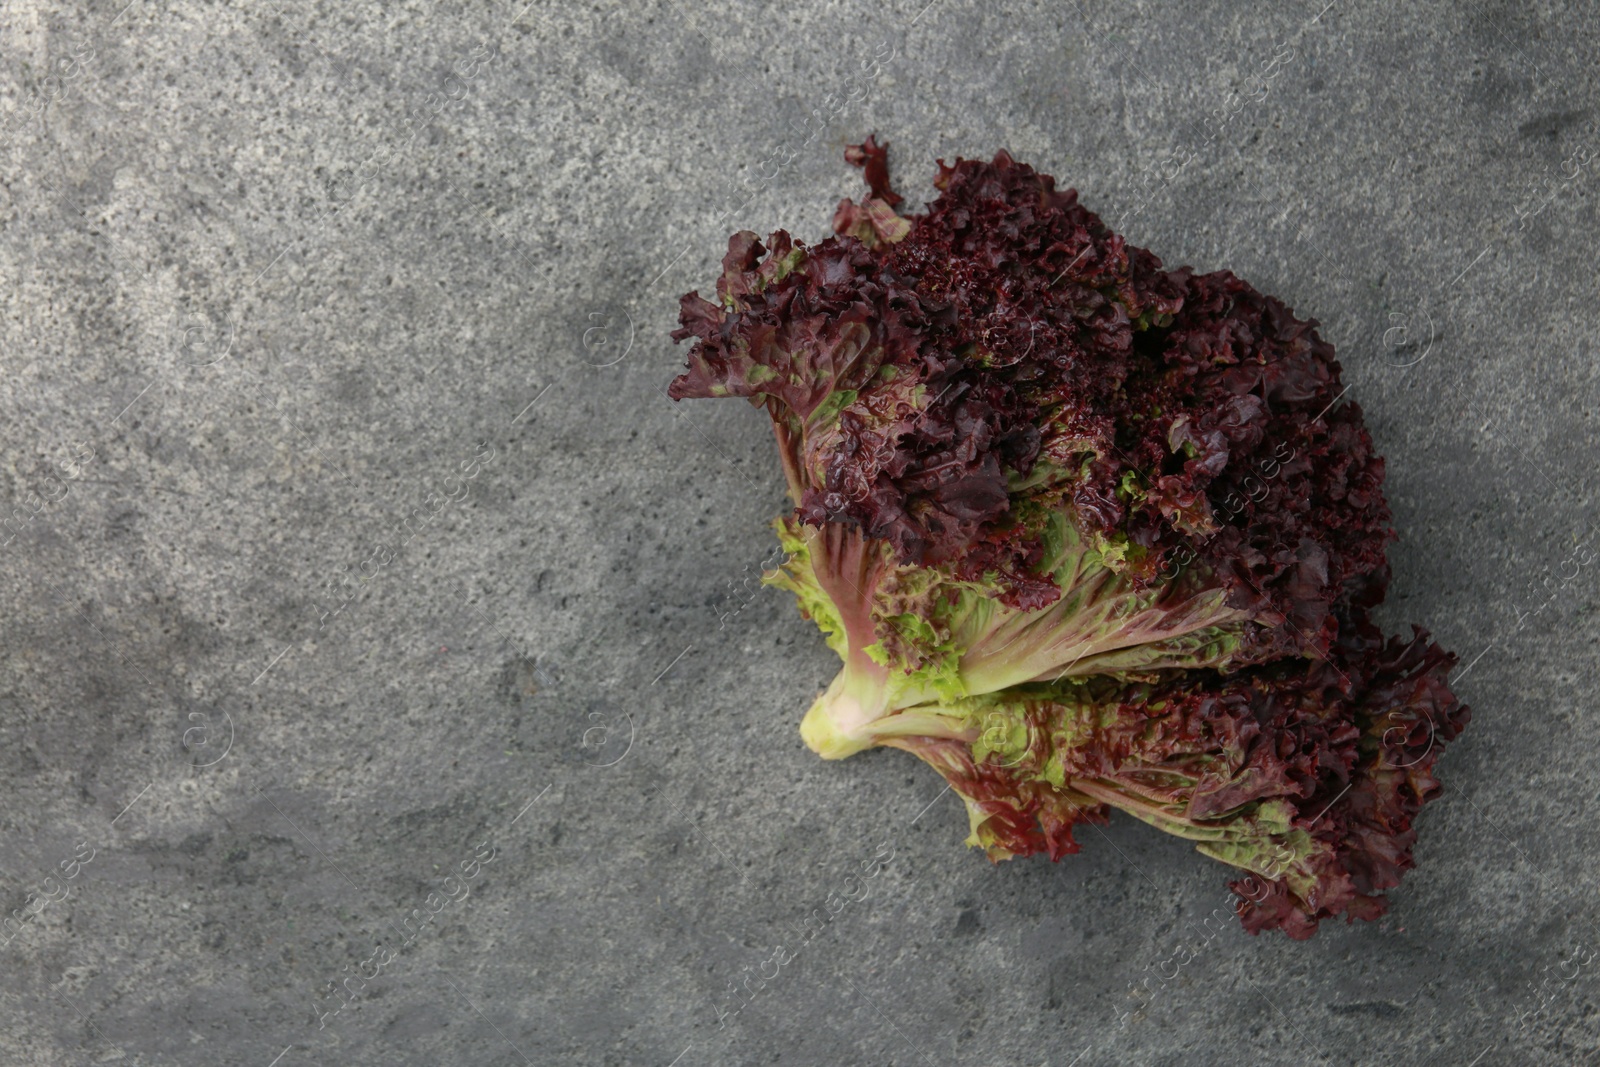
x=352, y=542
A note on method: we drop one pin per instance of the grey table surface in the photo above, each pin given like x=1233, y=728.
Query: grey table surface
x=352, y=543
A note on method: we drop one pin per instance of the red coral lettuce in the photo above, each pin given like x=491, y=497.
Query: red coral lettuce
x=1032, y=469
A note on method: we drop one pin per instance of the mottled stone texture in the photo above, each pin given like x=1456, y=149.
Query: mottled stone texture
x=373, y=622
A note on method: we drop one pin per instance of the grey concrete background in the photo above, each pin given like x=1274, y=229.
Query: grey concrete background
x=279, y=280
